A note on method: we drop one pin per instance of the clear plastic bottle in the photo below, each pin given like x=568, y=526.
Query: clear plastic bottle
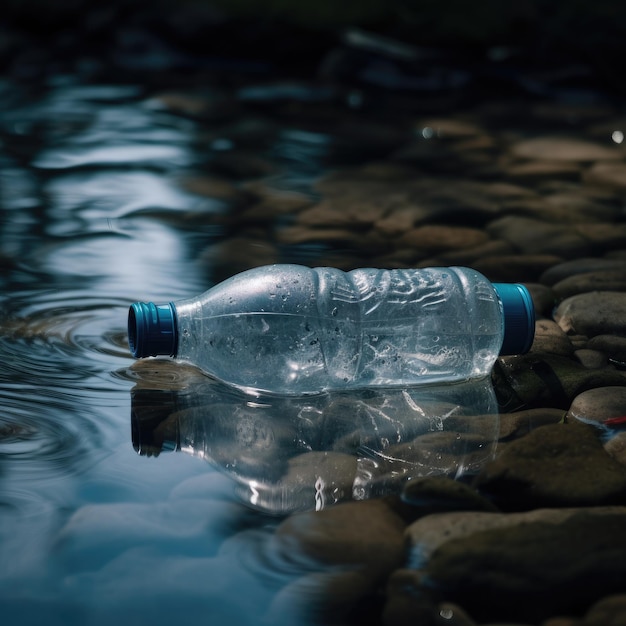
x=295, y=330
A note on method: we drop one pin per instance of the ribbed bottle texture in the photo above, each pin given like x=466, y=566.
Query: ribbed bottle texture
x=292, y=330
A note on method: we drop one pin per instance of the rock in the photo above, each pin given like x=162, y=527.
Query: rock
x=562, y=271
x=438, y=493
x=575, y=207
x=468, y=256
x=610, y=611
x=427, y=534
x=537, y=379
x=611, y=175
x=599, y=404
x=533, y=569
x=366, y=534
x=518, y=424
x=515, y=268
x=602, y=280
x=534, y=236
x=612, y=345
x=437, y=238
x=407, y=604
x=536, y=171
x=593, y=313
x=559, y=465
x=330, y=214
x=591, y=359
x=603, y=237
x=616, y=447
x=564, y=149
x=344, y=554
x=550, y=338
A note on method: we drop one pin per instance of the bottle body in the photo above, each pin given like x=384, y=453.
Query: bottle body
x=294, y=330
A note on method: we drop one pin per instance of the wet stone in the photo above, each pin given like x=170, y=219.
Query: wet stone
x=564, y=149
x=344, y=553
x=533, y=236
x=468, y=256
x=612, y=175
x=574, y=206
x=536, y=171
x=529, y=569
x=568, y=269
x=594, y=313
x=549, y=337
x=612, y=345
x=599, y=404
x=540, y=379
x=591, y=359
x=439, y=493
x=616, y=447
x=333, y=213
x=520, y=423
x=515, y=268
x=604, y=237
x=603, y=280
x=435, y=238
x=557, y=465
x=610, y=611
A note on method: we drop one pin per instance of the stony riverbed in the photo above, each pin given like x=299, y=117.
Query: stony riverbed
x=367, y=153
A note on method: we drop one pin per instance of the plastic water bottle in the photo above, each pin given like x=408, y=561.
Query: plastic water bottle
x=294, y=330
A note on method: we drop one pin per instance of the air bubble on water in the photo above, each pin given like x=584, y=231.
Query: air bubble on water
x=334, y=312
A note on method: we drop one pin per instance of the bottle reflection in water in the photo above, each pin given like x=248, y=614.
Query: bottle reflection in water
x=307, y=453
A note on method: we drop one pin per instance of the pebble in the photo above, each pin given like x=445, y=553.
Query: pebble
x=535, y=171
x=533, y=569
x=599, y=404
x=612, y=175
x=515, y=267
x=564, y=149
x=534, y=236
x=568, y=269
x=581, y=314
x=558, y=465
x=612, y=345
x=343, y=553
x=537, y=380
x=439, y=493
x=433, y=238
x=616, y=447
x=602, y=280
x=610, y=611
x=591, y=359
x=549, y=337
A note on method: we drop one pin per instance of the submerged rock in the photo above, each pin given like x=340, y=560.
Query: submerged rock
x=560, y=465
x=528, y=566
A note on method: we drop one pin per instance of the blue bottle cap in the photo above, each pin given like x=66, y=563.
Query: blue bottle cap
x=152, y=329
x=519, y=318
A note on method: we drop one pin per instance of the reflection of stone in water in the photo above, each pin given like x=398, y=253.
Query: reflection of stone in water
x=289, y=454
